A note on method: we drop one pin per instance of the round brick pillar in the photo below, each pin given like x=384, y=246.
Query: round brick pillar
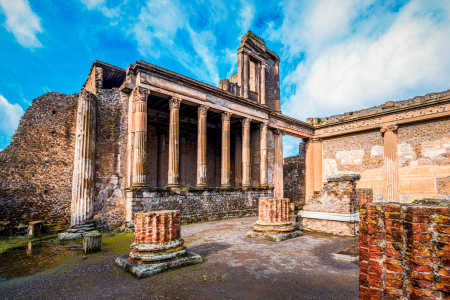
x=156, y=236
x=274, y=215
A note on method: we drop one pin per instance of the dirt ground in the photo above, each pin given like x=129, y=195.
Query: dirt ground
x=235, y=267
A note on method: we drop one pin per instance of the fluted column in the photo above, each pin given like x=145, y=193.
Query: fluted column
x=390, y=162
x=174, y=135
x=82, y=205
x=278, y=166
x=225, y=171
x=130, y=144
x=246, y=152
x=262, y=97
x=246, y=76
x=201, y=145
x=140, y=136
x=263, y=155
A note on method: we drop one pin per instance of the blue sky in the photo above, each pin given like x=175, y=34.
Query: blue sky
x=336, y=55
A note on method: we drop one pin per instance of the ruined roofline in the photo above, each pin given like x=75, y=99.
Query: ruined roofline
x=388, y=107
x=259, y=40
x=110, y=77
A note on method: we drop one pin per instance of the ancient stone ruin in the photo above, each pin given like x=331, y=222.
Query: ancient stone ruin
x=158, y=245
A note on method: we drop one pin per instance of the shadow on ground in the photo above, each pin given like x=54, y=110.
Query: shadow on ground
x=235, y=268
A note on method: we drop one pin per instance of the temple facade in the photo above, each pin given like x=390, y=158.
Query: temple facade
x=146, y=138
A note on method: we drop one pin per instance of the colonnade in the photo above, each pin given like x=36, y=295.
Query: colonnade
x=137, y=146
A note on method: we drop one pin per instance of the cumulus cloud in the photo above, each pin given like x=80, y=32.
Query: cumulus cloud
x=376, y=58
x=10, y=115
x=22, y=22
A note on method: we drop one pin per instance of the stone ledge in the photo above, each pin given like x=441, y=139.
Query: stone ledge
x=146, y=270
x=275, y=237
x=329, y=216
x=343, y=177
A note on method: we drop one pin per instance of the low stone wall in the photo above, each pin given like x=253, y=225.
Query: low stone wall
x=197, y=205
x=404, y=251
x=335, y=209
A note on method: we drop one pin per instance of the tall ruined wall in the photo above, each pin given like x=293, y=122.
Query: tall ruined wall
x=360, y=153
x=110, y=153
x=36, y=168
x=294, y=177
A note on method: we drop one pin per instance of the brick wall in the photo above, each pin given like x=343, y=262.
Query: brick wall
x=294, y=177
x=36, y=168
x=404, y=251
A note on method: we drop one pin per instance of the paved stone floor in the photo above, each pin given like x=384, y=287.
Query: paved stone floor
x=235, y=267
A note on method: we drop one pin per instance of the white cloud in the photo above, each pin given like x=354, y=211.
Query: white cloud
x=100, y=5
x=380, y=57
x=246, y=15
x=10, y=115
x=22, y=22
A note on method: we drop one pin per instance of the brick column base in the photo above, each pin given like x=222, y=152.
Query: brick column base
x=274, y=220
x=157, y=245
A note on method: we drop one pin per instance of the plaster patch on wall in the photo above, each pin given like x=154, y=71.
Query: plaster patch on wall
x=406, y=153
x=433, y=149
x=350, y=157
x=377, y=151
x=329, y=167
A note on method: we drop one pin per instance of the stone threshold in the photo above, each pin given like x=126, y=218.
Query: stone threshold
x=329, y=216
x=275, y=237
x=146, y=270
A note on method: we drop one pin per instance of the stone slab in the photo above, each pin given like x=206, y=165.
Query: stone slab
x=66, y=236
x=146, y=270
x=329, y=216
x=275, y=237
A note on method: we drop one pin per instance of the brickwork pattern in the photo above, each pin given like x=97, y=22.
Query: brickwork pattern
x=365, y=196
x=273, y=211
x=156, y=227
x=404, y=251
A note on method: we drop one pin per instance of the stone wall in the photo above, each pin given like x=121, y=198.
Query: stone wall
x=36, y=168
x=404, y=251
x=424, y=160
x=199, y=204
x=360, y=153
x=294, y=177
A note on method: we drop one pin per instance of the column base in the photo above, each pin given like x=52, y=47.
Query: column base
x=275, y=236
x=146, y=270
x=225, y=186
x=201, y=185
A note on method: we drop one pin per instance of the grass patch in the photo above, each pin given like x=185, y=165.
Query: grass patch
x=117, y=242
x=11, y=242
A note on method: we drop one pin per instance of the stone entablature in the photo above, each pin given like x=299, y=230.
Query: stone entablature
x=430, y=106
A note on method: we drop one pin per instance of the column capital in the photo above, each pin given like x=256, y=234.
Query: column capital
x=226, y=116
x=140, y=93
x=386, y=128
x=245, y=122
x=315, y=139
x=202, y=109
x=174, y=103
x=263, y=124
x=277, y=131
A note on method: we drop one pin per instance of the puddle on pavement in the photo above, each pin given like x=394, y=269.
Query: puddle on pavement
x=36, y=257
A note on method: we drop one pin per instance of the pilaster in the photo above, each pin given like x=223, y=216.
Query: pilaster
x=390, y=162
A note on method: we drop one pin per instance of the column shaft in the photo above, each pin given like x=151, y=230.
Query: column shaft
x=225, y=171
x=390, y=163
x=82, y=205
x=278, y=167
x=174, y=135
x=140, y=136
x=130, y=145
x=201, y=145
x=246, y=163
x=263, y=155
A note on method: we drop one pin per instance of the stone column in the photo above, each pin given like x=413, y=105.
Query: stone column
x=262, y=97
x=225, y=171
x=390, y=162
x=246, y=164
x=246, y=76
x=174, y=137
x=82, y=205
x=140, y=136
x=130, y=145
x=263, y=155
x=313, y=167
x=278, y=189
x=201, y=145
x=240, y=57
